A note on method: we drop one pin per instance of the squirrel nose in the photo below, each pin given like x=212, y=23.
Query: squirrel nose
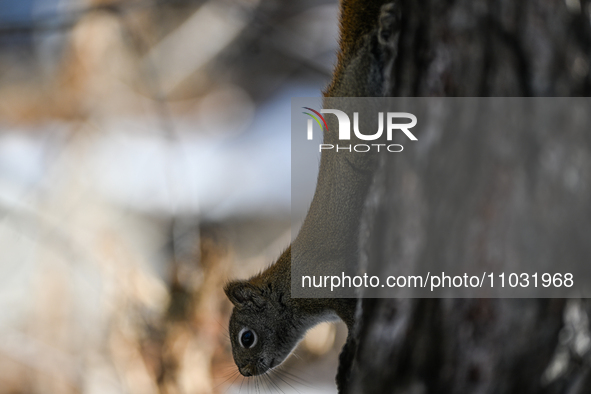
x=245, y=371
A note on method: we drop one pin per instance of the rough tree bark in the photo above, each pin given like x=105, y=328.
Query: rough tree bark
x=474, y=48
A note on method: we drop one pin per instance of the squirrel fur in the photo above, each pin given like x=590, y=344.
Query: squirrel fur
x=267, y=323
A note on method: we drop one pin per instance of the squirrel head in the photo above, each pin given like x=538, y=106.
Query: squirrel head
x=262, y=329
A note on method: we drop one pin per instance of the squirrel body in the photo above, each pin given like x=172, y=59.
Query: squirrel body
x=267, y=323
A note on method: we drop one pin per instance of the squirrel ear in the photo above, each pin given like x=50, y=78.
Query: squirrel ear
x=242, y=293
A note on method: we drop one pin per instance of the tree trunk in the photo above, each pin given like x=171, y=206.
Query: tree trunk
x=475, y=48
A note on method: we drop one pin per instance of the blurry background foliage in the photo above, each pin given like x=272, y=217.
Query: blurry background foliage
x=144, y=161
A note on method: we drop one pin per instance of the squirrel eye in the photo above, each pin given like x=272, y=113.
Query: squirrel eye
x=247, y=338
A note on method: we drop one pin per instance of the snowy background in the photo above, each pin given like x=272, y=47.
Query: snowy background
x=144, y=161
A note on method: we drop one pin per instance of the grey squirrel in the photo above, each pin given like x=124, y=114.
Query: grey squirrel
x=266, y=323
